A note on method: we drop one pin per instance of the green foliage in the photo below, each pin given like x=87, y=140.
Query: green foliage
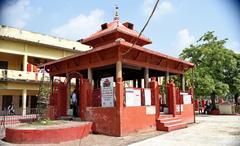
x=43, y=99
x=217, y=68
x=44, y=122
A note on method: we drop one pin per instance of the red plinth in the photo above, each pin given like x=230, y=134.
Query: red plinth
x=50, y=135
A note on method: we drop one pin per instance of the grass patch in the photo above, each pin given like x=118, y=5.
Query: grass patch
x=45, y=122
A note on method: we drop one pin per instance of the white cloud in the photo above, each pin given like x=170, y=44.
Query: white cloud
x=18, y=13
x=183, y=39
x=80, y=26
x=164, y=7
x=234, y=45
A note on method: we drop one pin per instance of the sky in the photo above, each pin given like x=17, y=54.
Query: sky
x=175, y=25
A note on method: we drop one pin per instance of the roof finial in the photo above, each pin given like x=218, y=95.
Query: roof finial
x=116, y=17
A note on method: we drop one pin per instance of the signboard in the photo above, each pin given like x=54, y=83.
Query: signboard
x=133, y=96
x=107, y=92
x=147, y=95
x=187, y=99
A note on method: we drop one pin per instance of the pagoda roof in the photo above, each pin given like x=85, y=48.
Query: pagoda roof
x=113, y=27
x=124, y=45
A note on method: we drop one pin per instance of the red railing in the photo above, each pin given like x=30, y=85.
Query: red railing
x=16, y=119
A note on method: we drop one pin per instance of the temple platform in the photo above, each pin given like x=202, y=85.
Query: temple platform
x=69, y=130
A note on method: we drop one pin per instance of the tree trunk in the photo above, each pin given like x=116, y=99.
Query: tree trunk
x=213, y=97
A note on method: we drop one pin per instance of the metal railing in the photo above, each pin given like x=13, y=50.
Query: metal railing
x=16, y=75
x=7, y=74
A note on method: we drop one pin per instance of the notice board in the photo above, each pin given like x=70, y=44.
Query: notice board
x=147, y=96
x=133, y=96
x=107, y=92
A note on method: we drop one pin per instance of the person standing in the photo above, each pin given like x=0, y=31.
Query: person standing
x=11, y=109
x=74, y=102
x=200, y=108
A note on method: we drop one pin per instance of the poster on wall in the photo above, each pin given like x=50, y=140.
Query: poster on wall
x=133, y=96
x=147, y=95
x=107, y=92
x=187, y=99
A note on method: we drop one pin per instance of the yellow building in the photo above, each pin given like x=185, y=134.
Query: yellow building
x=20, y=52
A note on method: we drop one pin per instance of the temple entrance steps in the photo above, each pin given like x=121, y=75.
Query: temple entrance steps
x=167, y=123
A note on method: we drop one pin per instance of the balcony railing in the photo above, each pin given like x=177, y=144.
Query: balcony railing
x=6, y=74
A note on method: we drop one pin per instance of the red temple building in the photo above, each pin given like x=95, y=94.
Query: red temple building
x=112, y=107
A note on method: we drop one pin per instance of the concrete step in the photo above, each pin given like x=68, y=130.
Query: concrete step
x=168, y=119
x=176, y=126
x=170, y=124
x=169, y=128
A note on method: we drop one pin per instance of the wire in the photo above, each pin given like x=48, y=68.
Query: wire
x=136, y=40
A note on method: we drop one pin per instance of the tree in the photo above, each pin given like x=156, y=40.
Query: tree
x=217, y=68
x=43, y=98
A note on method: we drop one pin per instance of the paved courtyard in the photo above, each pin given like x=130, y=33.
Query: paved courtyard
x=208, y=131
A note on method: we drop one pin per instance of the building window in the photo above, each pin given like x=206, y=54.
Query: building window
x=20, y=101
x=6, y=101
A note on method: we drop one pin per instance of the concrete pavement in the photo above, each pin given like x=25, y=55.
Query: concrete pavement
x=208, y=131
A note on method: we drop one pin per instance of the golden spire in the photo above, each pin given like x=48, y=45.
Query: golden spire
x=116, y=17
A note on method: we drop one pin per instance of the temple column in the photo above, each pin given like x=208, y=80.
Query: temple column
x=172, y=98
x=165, y=98
x=182, y=82
x=119, y=97
x=51, y=98
x=155, y=99
x=139, y=83
x=146, y=78
x=68, y=92
x=91, y=87
x=77, y=84
x=90, y=77
x=119, y=69
x=78, y=90
x=167, y=77
x=51, y=83
x=24, y=102
x=119, y=85
x=134, y=83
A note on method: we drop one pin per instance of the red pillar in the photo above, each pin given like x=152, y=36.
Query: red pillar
x=61, y=100
x=119, y=103
x=171, y=98
x=84, y=94
x=89, y=93
x=155, y=95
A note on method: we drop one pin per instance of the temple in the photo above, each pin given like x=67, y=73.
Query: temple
x=118, y=82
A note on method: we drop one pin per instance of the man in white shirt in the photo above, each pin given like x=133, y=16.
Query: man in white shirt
x=11, y=110
x=74, y=102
